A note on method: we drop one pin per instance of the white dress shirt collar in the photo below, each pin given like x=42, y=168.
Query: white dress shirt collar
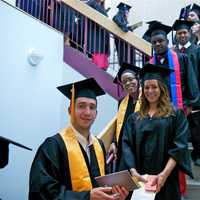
x=186, y=45
x=83, y=141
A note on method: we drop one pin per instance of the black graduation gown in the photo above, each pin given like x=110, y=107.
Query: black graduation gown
x=189, y=86
x=193, y=52
x=50, y=175
x=125, y=52
x=147, y=145
x=129, y=110
x=98, y=39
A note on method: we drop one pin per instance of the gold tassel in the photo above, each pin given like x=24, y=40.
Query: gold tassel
x=72, y=104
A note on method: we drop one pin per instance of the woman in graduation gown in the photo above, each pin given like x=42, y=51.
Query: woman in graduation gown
x=66, y=164
x=127, y=76
x=155, y=138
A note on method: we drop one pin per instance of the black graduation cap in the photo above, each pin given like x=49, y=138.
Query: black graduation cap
x=151, y=72
x=85, y=88
x=4, y=150
x=184, y=12
x=150, y=23
x=123, y=6
x=195, y=8
x=159, y=28
x=182, y=24
x=147, y=35
x=126, y=67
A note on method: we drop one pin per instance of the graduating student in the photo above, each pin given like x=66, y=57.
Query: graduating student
x=184, y=45
x=181, y=83
x=191, y=13
x=127, y=76
x=194, y=12
x=183, y=36
x=182, y=29
x=4, y=150
x=154, y=140
x=196, y=31
x=124, y=51
x=66, y=164
x=194, y=15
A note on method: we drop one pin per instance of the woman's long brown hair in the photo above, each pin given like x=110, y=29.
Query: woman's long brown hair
x=164, y=107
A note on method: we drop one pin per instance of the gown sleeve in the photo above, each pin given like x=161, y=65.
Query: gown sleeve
x=191, y=85
x=127, y=160
x=179, y=148
x=49, y=175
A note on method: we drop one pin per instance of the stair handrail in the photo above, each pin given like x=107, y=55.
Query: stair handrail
x=129, y=37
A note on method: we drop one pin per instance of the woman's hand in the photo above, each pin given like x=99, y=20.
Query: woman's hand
x=112, y=153
x=160, y=181
x=155, y=182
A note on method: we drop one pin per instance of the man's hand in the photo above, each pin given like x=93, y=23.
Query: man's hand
x=137, y=175
x=103, y=193
x=122, y=192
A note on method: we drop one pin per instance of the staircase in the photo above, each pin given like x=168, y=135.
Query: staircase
x=81, y=26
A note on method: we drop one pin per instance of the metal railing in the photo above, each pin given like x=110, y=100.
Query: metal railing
x=83, y=33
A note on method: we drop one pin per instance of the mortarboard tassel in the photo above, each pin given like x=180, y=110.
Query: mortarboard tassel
x=72, y=104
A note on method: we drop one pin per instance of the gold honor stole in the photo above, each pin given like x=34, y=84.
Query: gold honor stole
x=80, y=177
x=121, y=114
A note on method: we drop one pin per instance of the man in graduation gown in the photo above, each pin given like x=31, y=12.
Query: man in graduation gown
x=125, y=52
x=66, y=164
x=182, y=83
x=147, y=36
x=183, y=36
x=182, y=28
x=183, y=78
x=127, y=76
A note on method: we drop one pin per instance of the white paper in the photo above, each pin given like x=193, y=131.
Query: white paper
x=142, y=194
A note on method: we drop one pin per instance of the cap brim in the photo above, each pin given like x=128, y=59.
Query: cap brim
x=159, y=28
x=86, y=84
x=182, y=24
x=126, y=67
x=6, y=140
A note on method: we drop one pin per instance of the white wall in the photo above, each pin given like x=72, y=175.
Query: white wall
x=31, y=108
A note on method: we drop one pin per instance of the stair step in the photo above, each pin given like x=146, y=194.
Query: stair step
x=196, y=172
x=193, y=189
